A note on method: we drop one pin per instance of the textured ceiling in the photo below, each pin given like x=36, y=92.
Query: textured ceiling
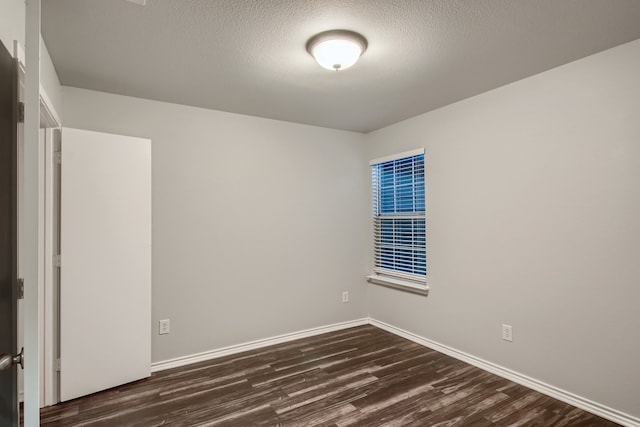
x=249, y=57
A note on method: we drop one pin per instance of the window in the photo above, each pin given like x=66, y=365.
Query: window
x=399, y=226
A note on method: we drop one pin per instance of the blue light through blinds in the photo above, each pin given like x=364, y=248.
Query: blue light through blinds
x=399, y=216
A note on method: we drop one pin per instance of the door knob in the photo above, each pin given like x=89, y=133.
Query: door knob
x=7, y=360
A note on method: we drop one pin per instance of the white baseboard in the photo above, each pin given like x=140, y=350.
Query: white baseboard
x=532, y=383
x=252, y=345
x=544, y=388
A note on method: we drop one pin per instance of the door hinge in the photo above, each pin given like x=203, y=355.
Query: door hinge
x=20, y=288
x=57, y=365
x=57, y=157
x=20, y=112
x=57, y=260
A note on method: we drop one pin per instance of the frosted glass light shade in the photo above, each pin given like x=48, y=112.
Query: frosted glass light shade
x=337, y=49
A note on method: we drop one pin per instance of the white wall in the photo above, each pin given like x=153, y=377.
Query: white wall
x=12, y=14
x=533, y=202
x=257, y=224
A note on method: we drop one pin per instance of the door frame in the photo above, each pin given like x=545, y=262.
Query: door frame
x=50, y=124
x=50, y=284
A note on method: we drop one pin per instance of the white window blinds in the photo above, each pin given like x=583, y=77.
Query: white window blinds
x=399, y=227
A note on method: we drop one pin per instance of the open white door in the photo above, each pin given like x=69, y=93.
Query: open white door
x=105, y=274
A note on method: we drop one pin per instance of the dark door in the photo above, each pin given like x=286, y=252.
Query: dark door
x=8, y=239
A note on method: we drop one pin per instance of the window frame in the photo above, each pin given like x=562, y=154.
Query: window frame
x=410, y=282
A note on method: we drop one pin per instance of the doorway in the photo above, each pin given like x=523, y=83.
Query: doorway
x=48, y=232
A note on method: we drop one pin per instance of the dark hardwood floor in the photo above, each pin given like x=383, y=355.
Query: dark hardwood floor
x=361, y=376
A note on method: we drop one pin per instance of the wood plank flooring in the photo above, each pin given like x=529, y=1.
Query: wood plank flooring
x=361, y=376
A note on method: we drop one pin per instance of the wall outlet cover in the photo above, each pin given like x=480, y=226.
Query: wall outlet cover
x=507, y=333
x=164, y=327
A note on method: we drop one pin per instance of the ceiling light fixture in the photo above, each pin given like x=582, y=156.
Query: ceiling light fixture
x=337, y=49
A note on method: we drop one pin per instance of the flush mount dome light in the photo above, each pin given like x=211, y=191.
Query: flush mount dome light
x=337, y=49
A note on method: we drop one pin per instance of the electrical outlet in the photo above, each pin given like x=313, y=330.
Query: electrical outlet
x=345, y=296
x=164, y=327
x=507, y=333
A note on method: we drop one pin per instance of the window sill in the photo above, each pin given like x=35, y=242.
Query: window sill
x=397, y=283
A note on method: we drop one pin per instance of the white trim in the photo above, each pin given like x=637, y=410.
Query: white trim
x=393, y=157
x=252, y=345
x=41, y=263
x=18, y=53
x=50, y=313
x=49, y=117
x=411, y=277
x=30, y=244
x=532, y=383
x=399, y=283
